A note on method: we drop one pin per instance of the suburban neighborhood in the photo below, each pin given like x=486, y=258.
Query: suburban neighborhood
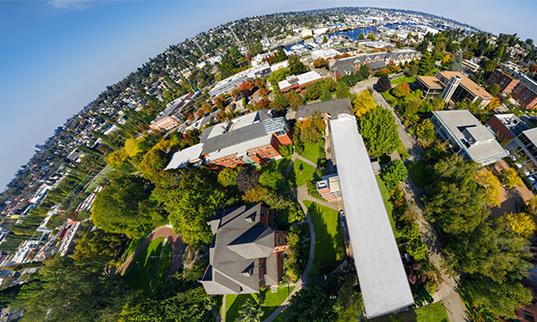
x=330, y=165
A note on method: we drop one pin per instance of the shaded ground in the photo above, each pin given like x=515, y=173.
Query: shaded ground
x=269, y=304
x=329, y=243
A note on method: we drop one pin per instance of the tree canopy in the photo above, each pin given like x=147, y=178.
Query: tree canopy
x=379, y=130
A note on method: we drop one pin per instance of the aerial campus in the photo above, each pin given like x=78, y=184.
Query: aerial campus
x=330, y=165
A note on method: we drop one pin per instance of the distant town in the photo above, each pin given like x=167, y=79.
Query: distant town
x=327, y=165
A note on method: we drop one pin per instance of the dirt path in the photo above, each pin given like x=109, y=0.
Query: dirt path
x=159, y=232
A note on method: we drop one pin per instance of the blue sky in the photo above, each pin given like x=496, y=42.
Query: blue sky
x=56, y=56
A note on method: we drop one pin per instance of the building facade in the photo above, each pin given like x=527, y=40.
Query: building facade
x=505, y=82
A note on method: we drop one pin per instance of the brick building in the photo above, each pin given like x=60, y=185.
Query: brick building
x=525, y=93
x=505, y=81
x=253, y=138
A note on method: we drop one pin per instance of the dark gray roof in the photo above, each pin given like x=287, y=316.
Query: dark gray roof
x=239, y=242
x=376, y=65
x=333, y=107
x=249, y=132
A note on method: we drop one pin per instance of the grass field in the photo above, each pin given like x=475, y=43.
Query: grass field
x=435, y=312
x=431, y=313
x=329, y=243
x=269, y=304
x=302, y=172
x=386, y=198
x=403, y=79
x=130, y=249
x=151, y=265
x=312, y=152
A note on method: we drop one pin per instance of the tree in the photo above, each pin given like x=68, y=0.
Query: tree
x=458, y=203
x=361, y=36
x=510, y=178
x=247, y=179
x=295, y=100
x=310, y=304
x=191, y=197
x=426, y=64
x=272, y=179
x=250, y=311
x=394, y=173
x=492, y=187
x=383, y=84
x=228, y=176
x=401, y=90
x=255, y=194
x=364, y=71
x=379, y=131
x=320, y=63
x=521, y=223
x=425, y=132
x=123, y=207
x=362, y=103
x=371, y=36
x=296, y=66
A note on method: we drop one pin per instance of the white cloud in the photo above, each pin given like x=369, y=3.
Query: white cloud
x=69, y=4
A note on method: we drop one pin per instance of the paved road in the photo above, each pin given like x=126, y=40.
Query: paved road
x=363, y=85
x=447, y=287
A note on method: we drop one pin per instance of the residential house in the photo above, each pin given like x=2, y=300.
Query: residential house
x=524, y=147
x=246, y=252
x=468, y=136
x=174, y=112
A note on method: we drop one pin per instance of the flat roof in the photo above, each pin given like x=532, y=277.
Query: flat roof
x=463, y=127
x=381, y=274
x=185, y=156
x=431, y=82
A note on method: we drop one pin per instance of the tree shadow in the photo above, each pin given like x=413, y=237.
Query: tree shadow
x=325, y=258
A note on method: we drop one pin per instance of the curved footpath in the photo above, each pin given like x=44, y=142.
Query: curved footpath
x=165, y=231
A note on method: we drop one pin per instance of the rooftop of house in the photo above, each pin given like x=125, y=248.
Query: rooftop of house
x=239, y=239
x=333, y=107
x=467, y=83
x=512, y=122
x=478, y=141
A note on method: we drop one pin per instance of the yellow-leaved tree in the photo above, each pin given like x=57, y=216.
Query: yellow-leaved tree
x=363, y=103
x=521, y=223
x=492, y=185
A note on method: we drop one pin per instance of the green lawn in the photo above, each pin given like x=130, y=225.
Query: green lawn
x=430, y=313
x=270, y=303
x=435, y=312
x=151, y=265
x=329, y=243
x=403, y=79
x=386, y=198
x=132, y=246
x=312, y=152
x=392, y=100
x=302, y=172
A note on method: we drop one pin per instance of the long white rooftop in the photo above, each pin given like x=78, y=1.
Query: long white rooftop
x=382, y=278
